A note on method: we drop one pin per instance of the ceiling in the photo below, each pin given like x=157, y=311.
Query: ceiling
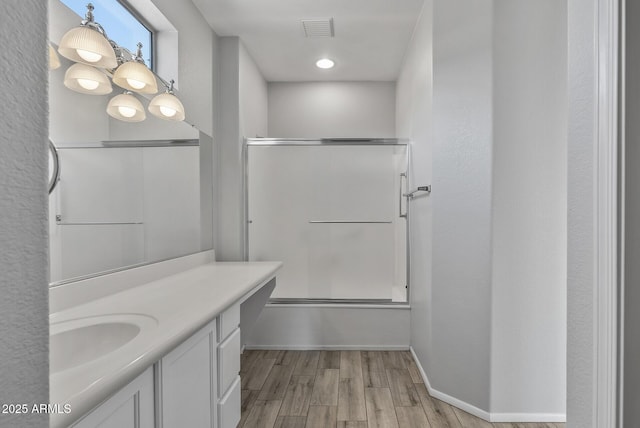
x=371, y=36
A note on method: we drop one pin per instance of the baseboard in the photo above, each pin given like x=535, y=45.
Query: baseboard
x=327, y=348
x=482, y=414
x=528, y=417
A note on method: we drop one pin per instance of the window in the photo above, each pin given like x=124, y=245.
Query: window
x=120, y=23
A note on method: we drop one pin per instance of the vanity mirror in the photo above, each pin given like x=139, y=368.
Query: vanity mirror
x=123, y=193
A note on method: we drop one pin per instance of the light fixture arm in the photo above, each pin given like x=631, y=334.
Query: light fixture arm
x=90, y=22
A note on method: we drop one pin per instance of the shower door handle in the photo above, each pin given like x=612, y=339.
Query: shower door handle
x=403, y=177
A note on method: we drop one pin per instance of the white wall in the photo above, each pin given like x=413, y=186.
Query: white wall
x=461, y=197
x=488, y=257
x=197, y=47
x=24, y=368
x=253, y=97
x=243, y=112
x=414, y=121
x=581, y=242
x=331, y=109
x=528, y=307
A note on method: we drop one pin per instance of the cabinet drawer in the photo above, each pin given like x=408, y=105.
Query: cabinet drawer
x=229, y=406
x=228, y=361
x=229, y=320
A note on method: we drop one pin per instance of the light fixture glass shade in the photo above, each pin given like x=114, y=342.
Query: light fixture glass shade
x=87, y=80
x=135, y=76
x=54, y=60
x=127, y=108
x=167, y=106
x=87, y=46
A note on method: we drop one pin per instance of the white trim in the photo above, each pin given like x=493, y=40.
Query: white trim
x=606, y=221
x=327, y=347
x=482, y=414
x=445, y=397
x=529, y=417
x=339, y=305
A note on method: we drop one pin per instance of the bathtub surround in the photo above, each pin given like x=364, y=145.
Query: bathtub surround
x=488, y=318
x=24, y=329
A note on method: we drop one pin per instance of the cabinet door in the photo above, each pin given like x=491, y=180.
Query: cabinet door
x=187, y=382
x=131, y=407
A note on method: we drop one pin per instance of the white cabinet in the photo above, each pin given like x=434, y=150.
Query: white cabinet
x=197, y=385
x=131, y=407
x=229, y=367
x=228, y=361
x=187, y=382
x=229, y=411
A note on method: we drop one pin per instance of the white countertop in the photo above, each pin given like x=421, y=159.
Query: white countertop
x=174, y=308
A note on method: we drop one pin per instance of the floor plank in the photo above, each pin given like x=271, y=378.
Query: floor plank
x=352, y=424
x=351, y=403
x=325, y=388
x=257, y=374
x=263, y=414
x=276, y=383
x=412, y=417
x=287, y=358
x=402, y=388
x=393, y=360
x=416, y=376
x=248, y=399
x=469, y=421
x=329, y=360
x=322, y=417
x=350, y=364
x=373, y=371
x=247, y=360
x=307, y=363
x=290, y=422
x=439, y=413
x=380, y=410
x=298, y=396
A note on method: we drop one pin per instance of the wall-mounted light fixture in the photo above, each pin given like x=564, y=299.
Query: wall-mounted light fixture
x=135, y=76
x=126, y=107
x=87, y=80
x=167, y=105
x=89, y=46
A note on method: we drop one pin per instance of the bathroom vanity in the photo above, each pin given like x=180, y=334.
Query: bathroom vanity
x=162, y=352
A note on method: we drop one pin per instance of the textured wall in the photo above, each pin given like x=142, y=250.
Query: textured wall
x=461, y=197
x=528, y=308
x=24, y=313
x=580, y=213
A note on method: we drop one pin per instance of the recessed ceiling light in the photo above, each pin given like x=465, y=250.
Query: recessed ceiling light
x=325, y=63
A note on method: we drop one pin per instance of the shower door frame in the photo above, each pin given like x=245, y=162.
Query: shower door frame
x=333, y=142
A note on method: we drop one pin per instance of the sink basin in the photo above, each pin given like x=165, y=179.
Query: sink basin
x=80, y=341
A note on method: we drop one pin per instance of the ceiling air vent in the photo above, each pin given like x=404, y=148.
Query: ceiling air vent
x=318, y=27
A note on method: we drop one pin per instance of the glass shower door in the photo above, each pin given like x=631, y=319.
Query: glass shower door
x=331, y=214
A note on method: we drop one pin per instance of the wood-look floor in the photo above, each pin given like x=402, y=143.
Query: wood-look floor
x=345, y=389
